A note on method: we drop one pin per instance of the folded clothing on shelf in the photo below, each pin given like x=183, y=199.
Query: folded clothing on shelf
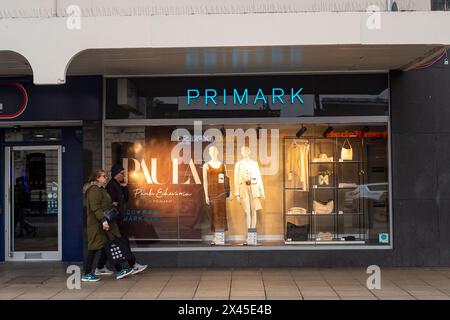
x=347, y=185
x=297, y=210
x=323, y=158
x=324, y=236
x=323, y=207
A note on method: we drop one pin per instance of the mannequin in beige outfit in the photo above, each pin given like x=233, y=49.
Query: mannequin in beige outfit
x=249, y=190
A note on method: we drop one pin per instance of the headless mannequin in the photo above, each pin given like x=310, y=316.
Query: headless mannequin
x=217, y=202
x=215, y=163
x=248, y=196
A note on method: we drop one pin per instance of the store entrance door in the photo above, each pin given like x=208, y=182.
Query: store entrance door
x=33, y=203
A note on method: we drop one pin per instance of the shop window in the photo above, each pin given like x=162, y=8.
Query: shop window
x=328, y=185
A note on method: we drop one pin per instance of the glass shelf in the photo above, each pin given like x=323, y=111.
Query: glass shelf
x=331, y=162
x=337, y=171
x=325, y=215
x=324, y=242
x=325, y=188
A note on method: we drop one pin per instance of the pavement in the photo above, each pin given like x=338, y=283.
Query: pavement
x=44, y=280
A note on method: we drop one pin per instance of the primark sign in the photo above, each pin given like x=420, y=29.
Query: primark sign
x=243, y=97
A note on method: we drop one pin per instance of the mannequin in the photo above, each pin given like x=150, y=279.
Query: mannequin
x=214, y=173
x=249, y=190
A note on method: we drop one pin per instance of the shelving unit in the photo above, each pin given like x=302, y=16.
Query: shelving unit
x=338, y=172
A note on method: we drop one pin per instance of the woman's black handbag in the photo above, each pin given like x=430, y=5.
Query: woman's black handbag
x=297, y=233
x=117, y=250
x=111, y=213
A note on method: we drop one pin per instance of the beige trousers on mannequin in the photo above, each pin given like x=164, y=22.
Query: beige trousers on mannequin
x=250, y=204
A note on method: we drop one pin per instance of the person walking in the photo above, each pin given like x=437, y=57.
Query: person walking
x=98, y=228
x=118, y=191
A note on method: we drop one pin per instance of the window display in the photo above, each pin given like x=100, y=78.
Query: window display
x=342, y=164
x=241, y=185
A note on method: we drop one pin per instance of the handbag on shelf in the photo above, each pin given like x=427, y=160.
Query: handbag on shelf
x=297, y=232
x=323, y=208
x=346, y=151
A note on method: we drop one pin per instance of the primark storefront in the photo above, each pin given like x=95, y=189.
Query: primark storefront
x=285, y=170
x=233, y=170
x=274, y=141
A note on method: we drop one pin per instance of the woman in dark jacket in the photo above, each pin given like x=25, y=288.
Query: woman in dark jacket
x=98, y=228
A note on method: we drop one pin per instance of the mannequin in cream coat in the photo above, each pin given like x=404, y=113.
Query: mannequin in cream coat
x=248, y=195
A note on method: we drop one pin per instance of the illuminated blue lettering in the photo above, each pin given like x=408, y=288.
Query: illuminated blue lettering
x=207, y=97
x=189, y=96
x=296, y=95
x=260, y=96
x=240, y=99
x=277, y=96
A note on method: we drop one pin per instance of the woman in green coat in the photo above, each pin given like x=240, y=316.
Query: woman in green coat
x=97, y=201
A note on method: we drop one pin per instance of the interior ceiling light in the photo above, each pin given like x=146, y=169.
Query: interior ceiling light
x=300, y=132
x=326, y=132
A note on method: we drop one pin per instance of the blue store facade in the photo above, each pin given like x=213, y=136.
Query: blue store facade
x=41, y=151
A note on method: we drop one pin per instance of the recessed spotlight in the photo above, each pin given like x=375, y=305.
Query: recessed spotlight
x=301, y=132
x=326, y=132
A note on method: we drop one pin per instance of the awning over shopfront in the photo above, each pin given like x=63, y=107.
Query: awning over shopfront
x=262, y=40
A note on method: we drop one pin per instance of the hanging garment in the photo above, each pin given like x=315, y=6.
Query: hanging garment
x=298, y=165
x=217, y=198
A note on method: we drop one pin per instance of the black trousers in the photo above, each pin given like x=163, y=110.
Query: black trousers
x=89, y=261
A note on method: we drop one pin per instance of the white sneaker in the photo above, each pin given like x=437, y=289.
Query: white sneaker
x=139, y=268
x=103, y=272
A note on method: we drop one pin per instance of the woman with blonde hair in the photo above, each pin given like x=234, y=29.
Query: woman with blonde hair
x=97, y=201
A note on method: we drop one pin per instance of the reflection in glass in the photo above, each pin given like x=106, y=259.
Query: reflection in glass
x=35, y=200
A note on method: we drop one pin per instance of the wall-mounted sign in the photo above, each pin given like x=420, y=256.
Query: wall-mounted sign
x=13, y=100
x=235, y=97
x=357, y=133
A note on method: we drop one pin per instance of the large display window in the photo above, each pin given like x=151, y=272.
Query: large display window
x=286, y=161
x=254, y=186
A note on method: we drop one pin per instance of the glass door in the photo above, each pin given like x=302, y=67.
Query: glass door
x=33, y=219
